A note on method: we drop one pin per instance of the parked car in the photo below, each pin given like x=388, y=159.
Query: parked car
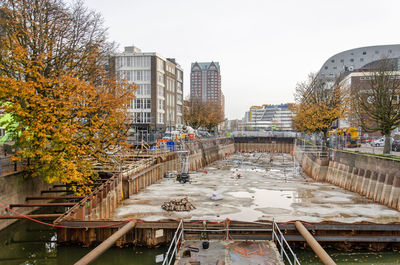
x=378, y=142
x=396, y=146
x=381, y=141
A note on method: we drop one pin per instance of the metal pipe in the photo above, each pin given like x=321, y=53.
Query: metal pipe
x=95, y=253
x=316, y=247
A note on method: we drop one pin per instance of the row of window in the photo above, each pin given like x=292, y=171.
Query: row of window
x=160, y=104
x=170, y=84
x=160, y=117
x=134, y=75
x=179, y=88
x=170, y=100
x=143, y=90
x=179, y=75
x=170, y=69
x=133, y=61
x=140, y=103
x=372, y=77
x=160, y=91
x=160, y=65
x=160, y=78
x=364, y=53
x=141, y=117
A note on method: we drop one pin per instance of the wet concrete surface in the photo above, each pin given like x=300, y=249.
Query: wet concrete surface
x=255, y=188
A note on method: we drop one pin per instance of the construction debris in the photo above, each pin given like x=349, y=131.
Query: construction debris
x=178, y=205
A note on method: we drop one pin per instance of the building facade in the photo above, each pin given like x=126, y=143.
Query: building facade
x=205, y=83
x=352, y=60
x=361, y=81
x=159, y=97
x=353, y=67
x=269, y=117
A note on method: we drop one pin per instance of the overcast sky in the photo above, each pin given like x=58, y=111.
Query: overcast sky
x=264, y=47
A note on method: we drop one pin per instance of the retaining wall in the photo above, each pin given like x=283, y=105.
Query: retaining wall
x=264, y=144
x=376, y=178
x=14, y=188
x=100, y=205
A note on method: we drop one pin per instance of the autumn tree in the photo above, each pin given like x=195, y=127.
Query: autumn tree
x=202, y=114
x=318, y=105
x=67, y=112
x=376, y=100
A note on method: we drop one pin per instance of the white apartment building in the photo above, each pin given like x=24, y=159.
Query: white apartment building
x=159, y=98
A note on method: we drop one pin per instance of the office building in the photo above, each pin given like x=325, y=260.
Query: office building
x=269, y=117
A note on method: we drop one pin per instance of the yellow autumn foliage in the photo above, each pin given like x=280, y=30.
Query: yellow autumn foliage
x=68, y=113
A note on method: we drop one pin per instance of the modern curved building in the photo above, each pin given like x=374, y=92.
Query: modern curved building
x=354, y=59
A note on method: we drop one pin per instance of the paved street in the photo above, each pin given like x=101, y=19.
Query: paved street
x=371, y=149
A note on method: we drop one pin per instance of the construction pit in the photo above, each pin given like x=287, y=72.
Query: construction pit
x=254, y=187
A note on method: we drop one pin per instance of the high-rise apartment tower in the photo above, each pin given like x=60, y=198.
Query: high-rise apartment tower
x=205, y=83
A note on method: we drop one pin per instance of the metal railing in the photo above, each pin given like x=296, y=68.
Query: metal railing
x=284, y=249
x=7, y=166
x=278, y=237
x=178, y=236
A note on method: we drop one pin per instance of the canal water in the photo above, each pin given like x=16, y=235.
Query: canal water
x=26, y=242
x=30, y=243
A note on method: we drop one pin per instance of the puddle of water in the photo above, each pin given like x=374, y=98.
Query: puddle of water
x=267, y=198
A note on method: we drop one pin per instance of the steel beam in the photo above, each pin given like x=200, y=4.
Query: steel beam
x=36, y=216
x=69, y=204
x=53, y=198
x=53, y=191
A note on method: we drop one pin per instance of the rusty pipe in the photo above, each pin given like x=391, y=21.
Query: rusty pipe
x=95, y=253
x=316, y=247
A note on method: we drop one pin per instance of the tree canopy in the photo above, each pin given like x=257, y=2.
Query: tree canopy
x=67, y=112
x=318, y=105
x=376, y=100
x=202, y=114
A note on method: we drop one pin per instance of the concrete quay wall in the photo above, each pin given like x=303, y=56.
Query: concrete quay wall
x=374, y=177
x=264, y=144
x=102, y=202
x=99, y=206
x=14, y=188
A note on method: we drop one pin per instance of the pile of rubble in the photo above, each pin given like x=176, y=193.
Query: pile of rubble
x=178, y=205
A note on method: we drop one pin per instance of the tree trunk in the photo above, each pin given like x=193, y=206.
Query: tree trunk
x=325, y=141
x=388, y=145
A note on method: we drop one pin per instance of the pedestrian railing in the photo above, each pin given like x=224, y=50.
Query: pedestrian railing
x=174, y=246
x=7, y=166
x=285, y=251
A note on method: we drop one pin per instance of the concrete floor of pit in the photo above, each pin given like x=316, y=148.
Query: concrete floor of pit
x=265, y=191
